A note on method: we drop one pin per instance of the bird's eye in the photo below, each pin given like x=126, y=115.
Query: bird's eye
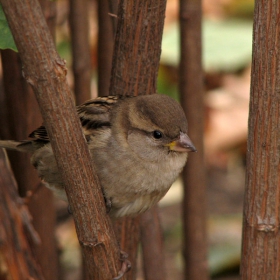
x=157, y=134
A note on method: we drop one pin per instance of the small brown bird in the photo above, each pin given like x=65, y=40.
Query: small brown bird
x=138, y=146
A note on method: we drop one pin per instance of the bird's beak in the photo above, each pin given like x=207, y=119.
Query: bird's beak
x=183, y=144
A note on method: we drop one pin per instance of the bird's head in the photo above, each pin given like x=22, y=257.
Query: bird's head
x=153, y=126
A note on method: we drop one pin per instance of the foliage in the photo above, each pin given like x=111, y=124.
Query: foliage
x=6, y=38
x=227, y=45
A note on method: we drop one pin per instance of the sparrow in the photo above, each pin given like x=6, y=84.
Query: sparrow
x=138, y=146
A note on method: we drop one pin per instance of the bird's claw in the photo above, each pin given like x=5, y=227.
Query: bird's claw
x=126, y=265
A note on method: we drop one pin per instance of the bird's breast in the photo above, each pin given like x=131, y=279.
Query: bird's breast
x=133, y=186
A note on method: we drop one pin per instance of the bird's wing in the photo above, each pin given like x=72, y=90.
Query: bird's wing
x=94, y=114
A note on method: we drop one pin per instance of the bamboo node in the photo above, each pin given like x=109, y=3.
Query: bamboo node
x=90, y=244
x=61, y=69
x=267, y=228
x=267, y=224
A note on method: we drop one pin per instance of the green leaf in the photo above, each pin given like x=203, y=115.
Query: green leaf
x=6, y=37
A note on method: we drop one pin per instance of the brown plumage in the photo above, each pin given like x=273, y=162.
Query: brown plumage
x=138, y=146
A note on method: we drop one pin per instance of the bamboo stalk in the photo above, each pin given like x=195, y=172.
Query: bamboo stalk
x=261, y=237
x=191, y=92
x=79, y=29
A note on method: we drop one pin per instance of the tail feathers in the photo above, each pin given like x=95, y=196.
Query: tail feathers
x=21, y=146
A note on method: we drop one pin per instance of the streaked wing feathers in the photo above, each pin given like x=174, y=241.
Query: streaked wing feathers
x=40, y=134
x=94, y=114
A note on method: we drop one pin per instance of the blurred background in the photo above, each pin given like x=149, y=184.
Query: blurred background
x=227, y=45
